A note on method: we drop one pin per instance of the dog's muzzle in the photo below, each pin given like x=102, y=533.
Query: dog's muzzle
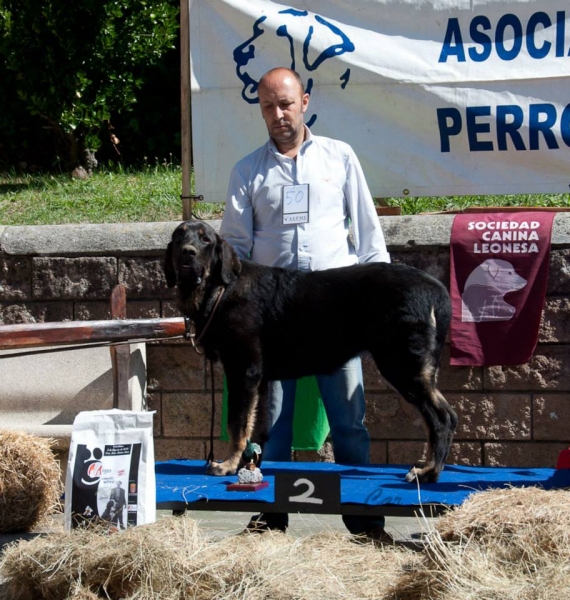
x=190, y=275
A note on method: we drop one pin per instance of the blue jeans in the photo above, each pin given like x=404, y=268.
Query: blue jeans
x=342, y=393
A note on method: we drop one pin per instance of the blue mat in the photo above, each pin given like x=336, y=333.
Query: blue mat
x=182, y=482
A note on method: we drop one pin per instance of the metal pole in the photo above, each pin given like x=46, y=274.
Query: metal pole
x=186, y=117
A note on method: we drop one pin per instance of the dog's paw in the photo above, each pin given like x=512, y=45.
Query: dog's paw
x=415, y=472
x=422, y=475
x=411, y=476
x=221, y=469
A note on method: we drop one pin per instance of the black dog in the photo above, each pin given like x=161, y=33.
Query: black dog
x=268, y=323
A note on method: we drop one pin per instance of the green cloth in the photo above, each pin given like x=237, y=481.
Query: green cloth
x=310, y=424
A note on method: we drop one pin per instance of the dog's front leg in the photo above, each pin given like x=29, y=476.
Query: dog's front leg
x=243, y=397
x=260, y=433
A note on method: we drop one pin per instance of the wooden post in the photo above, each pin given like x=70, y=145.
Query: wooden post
x=185, y=110
x=120, y=355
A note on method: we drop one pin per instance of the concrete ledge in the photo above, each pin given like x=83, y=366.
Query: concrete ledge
x=121, y=239
x=85, y=240
x=425, y=231
x=401, y=232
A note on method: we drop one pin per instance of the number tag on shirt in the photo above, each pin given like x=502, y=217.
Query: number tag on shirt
x=295, y=204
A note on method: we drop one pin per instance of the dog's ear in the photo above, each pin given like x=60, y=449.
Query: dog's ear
x=228, y=261
x=169, y=270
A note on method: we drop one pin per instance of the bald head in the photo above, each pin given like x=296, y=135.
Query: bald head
x=280, y=74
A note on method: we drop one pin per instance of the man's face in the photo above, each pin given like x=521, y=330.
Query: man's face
x=283, y=105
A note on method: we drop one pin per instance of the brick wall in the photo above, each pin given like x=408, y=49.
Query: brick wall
x=516, y=416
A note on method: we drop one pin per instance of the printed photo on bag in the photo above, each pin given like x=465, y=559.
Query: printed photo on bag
x=110, y=475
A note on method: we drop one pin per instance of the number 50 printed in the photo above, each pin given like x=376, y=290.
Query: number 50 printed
x=295, y=204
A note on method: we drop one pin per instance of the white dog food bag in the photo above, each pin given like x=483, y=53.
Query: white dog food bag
x=110, y=471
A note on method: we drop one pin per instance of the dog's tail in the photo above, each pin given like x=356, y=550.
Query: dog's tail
x=442, y=315
x=442, y=311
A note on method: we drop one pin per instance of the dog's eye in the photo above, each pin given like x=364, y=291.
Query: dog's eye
x=206, y=240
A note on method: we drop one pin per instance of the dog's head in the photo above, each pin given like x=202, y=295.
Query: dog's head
x=195, y=254
x=497, y=274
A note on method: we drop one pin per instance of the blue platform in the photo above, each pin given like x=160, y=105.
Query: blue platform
x=369, y=489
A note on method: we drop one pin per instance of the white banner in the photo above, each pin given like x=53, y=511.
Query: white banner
x=439, y=97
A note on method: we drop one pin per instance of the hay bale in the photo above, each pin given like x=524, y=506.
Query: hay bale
x=326, y=566
x=475, y=552
x=30, y=483
x=172, y=559
x=511, y=544
x=507, y=512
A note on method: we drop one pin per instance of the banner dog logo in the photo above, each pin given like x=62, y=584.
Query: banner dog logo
x=290, y=25
x=485, y=289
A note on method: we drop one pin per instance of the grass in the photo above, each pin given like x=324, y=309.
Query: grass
x=152, y=193
x=110, y=195
x=414, y=206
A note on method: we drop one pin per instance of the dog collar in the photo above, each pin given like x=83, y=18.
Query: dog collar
x=190, y=326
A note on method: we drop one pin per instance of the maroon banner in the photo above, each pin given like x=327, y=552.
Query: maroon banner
x=499, y=267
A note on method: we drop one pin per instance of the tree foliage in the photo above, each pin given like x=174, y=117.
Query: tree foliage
x=75, y=64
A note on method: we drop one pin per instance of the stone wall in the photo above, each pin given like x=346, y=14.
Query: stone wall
x=507, y=415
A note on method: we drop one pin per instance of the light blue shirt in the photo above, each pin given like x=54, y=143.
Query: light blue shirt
x=338, y=197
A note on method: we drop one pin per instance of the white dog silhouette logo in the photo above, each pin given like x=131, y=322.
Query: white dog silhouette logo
x=485, y=288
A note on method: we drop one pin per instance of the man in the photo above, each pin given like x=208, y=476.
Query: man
x=118, y=496
x=289, y=205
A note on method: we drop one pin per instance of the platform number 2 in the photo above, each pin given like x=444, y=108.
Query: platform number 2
x=307, y=495
x=307, y=491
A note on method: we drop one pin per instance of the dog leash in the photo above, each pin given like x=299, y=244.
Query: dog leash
x=210, y=457
x=190, y=326
x=190, y=335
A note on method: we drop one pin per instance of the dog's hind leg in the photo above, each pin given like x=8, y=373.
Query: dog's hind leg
x=411, y=368
x=440, y=422
x=243, y=398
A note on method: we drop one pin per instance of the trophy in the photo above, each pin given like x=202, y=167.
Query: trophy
x=250, y=477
